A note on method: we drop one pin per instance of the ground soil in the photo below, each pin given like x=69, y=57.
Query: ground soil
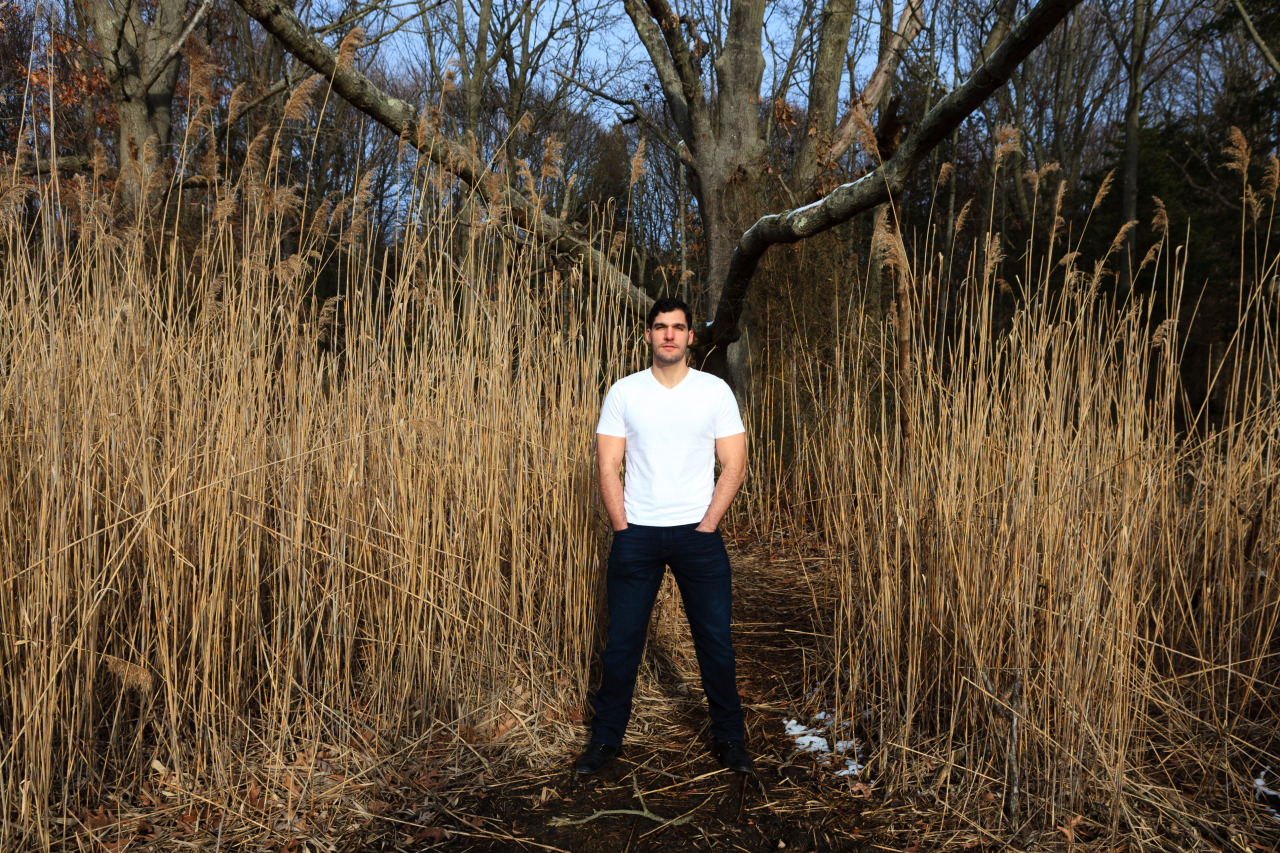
x=665, y=792
x=458, y=792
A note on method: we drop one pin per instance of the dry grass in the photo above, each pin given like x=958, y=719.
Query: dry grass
x=1049, y=595
x=245, y=535
x=263, y=557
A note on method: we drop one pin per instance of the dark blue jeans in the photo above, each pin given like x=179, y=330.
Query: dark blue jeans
x=637, y=560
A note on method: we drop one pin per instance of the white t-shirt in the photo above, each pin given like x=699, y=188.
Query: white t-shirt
x=671, y=443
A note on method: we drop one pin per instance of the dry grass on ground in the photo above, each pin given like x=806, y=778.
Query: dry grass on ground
x=275, y=567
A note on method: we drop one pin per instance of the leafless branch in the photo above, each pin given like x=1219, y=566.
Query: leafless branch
x=1257, y=39
x=176, y=48
x=638, y=113
x=402, y=119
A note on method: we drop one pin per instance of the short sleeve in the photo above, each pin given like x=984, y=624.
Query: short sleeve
x=612, y=420
x=728, y=420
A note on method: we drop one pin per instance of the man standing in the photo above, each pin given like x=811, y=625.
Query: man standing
x=670, y=422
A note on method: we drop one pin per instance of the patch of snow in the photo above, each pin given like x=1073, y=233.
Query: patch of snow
x=852, y=768
x=812, y=743
x=1265, y=794
x=814, y=739
x=794, y=727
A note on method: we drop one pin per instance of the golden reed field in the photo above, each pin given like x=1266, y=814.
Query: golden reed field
x=247, y=524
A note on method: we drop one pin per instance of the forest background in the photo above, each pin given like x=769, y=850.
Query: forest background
x=308, y=312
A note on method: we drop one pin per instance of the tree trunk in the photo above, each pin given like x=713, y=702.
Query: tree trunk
x=142, y=72
x=1142, y=13
x=824, y=93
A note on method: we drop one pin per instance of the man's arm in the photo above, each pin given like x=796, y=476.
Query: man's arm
x=609, y=452
x=732, y=453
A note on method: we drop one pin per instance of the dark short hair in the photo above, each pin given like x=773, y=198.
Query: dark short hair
x=670, y=303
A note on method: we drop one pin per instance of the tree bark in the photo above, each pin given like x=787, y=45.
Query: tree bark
x=824, y=94
x=138, y=60
x=848, y=200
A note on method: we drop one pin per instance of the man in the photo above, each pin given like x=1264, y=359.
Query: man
x=670, y=422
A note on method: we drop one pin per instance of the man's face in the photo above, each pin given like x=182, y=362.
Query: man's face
x=669, y=338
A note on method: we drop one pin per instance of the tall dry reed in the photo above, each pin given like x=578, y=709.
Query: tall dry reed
x=1053, y=604
x=241, y=525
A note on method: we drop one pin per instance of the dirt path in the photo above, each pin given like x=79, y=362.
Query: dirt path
x=666, y=792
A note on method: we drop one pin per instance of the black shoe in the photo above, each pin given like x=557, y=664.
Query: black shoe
x=733, y=754
x=595, y=756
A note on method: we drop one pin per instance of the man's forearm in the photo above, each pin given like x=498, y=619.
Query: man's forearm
x=726, y=489
x=611, y=494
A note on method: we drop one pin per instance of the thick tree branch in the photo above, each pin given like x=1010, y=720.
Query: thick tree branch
x=74, y=163
x=678, y=48
x=848, y=200
x=176, y=47
x=1257, y=39
x=403, y=120
x=660, y=34
x=909, y=27
x=824, y=87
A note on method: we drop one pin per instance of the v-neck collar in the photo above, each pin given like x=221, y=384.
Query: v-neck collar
x=658, y=382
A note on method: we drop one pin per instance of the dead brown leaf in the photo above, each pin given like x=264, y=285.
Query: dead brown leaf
x=1068, y=829
x=860, y=789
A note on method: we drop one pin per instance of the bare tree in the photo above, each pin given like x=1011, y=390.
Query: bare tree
x=879, y=186
x=1148, y=39
x=139, y=53
x=1063, y=92
x=504, y=58
x=406, y=122
x=720, y=128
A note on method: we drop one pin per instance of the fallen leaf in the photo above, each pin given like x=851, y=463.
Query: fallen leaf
x=1069, y=828
x=430, y=834
x=508, y=723
x=292, y=784
x=254, y=797
x=860, y=789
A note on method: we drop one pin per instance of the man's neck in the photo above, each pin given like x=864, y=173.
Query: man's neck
x=670, y=375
